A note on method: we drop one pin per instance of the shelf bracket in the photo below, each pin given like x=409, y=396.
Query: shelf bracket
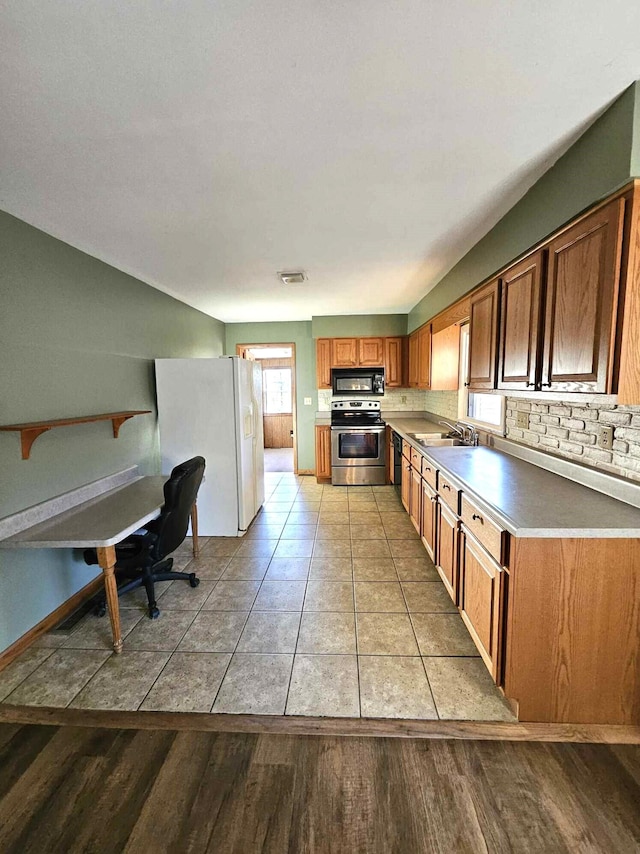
x=117, y=423
x=28, y=437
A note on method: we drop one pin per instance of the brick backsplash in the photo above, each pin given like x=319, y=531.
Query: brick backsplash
x=570, y=430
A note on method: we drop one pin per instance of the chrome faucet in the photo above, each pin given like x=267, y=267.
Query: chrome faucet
x=453, y=428
x=470, y=432
x=467, y=432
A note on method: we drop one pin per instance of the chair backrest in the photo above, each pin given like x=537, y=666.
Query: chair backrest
x=180, y=493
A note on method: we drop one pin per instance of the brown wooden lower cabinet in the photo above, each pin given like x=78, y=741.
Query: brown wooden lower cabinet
x=323, y=452
x=447, y=549
x=556, y=621
x=405, y=492
x=481, y=600
x=415, y=506
x=428, y=517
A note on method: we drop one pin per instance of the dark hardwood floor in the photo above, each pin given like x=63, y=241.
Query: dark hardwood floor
x=71, y=789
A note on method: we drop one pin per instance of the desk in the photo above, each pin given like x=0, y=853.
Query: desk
x=100, y=523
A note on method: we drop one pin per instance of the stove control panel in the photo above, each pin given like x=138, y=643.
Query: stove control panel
x=356, y=405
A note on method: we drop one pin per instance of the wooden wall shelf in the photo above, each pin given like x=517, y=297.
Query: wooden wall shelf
x=30, y=432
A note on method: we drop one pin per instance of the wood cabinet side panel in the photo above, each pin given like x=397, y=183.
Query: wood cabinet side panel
x=445, y=359
x=573, y=630
x=629, y=363
x=323, y=451
x=323, y=362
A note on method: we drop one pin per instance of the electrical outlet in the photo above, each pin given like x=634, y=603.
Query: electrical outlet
x=522, y=420
x=307, y=401
x=404, y=398
x=605, y=438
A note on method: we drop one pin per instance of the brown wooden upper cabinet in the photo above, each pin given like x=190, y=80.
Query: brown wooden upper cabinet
x=420, y=357
x=370, y=352
x=445, y=359
x=413, y=360
x=344, y=352
x=581, y=303
x=557, y=331
x=394, y=361
x=483, y=335
x=355, y=352
x=323, y=362
x=520, y=328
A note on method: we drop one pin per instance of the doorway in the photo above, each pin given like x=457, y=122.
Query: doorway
x=278, y=363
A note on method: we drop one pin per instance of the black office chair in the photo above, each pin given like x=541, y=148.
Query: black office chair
x=143, y=557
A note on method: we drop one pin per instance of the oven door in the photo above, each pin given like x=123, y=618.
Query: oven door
x=357, y=446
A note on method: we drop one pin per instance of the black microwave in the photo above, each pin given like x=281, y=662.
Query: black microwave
x=357, y=380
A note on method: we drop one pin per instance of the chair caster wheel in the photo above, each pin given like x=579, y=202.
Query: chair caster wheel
x=154, y=613
x=193, y=581
x=100, y=610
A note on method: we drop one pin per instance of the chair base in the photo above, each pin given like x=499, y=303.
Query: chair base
x=160, y=572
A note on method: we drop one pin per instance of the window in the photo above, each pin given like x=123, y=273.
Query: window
x=276, y=391
x=484, y=410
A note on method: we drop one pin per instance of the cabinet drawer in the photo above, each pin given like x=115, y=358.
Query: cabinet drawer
x=429, y=472
x=449, y=493
x=406, y=450
x=416, y=459
x=492, y=536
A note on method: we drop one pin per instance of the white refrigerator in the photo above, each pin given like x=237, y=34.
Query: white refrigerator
x=213, y=408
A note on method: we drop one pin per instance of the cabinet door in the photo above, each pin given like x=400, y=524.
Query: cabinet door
x=428, y=514
x=323, y=362
x=447, y=550
x=445, y=359
x=405, y=491
x=520, y=324
x=323, y=451
x=581, y=303
x=483, y=333
x=424, y=356
x=370, y=352
x=482, y=589
x=394, y=362
x=413, y=360
x=390, y=455
x=415, y=504
x=344, y=352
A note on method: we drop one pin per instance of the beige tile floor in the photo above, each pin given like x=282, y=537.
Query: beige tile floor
x=328, y=606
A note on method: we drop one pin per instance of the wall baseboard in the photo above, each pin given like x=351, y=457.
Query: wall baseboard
x=305, y=471
x=51, y=620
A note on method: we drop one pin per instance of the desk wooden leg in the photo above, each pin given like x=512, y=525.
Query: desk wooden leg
x=107, y=561
x=194, y=529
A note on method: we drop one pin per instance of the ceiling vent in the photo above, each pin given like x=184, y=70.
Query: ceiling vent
x=292, y=277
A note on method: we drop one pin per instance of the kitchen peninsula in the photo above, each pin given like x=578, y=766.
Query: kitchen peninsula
x=545, y=571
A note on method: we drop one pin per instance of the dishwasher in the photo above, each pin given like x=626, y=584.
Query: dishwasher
x=397, y=462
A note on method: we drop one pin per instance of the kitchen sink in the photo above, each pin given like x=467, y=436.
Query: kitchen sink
x=437, y=441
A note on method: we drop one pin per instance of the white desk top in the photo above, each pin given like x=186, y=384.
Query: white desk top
x=102, y=521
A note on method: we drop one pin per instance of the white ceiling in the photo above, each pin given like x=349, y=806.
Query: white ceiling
x=203, y=145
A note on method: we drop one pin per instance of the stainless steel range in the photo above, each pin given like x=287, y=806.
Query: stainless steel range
x=357, y=443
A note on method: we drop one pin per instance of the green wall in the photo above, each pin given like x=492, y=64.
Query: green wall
x=360, y=325
x=78, y=337
x=298, y=333
x=603, y=159
x=635, y=149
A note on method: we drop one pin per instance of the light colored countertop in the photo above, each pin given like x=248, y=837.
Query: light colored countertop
x=102, y=521
x=525, y=498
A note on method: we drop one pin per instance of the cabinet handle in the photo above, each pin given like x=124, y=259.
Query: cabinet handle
x=466, y=385
x=548, y=385
x=427, y=468
x=478, y=517
x=530, y=385
x=446, y=486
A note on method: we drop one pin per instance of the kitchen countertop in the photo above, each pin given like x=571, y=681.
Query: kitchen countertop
x=526, y=499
